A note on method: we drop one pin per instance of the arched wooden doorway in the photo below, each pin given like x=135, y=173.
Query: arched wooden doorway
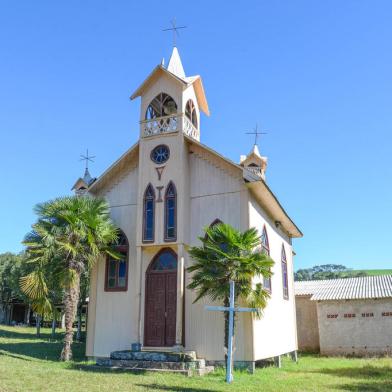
x=161, y=300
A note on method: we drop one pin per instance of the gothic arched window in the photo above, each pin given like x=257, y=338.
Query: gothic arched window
x=116, y=275
x=190, y=112
x=165, y=260
x=148, y=214
x=284, y=274
x=170, y=213
x=162, y=105
x=265, y=249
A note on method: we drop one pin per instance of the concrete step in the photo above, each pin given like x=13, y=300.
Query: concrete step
x=154, y=363
x=156, y=356
x=186, y=372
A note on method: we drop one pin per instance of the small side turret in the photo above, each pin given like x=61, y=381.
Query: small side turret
x=254, y=162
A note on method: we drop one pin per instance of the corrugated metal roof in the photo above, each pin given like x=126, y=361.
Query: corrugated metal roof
x=365, y=287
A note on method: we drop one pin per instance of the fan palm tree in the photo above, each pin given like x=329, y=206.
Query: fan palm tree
x=69, y=236
x=227, y=254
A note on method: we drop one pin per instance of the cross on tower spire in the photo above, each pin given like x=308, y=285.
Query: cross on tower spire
x=174, y=29
x=87, y=158
x=257, y=133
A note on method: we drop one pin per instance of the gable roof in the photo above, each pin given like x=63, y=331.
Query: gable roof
x=261, y=191
x=364, y=287
x=175, y=71
x=130, y=155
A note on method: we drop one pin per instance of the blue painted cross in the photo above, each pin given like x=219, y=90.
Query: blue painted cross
x=231, y=309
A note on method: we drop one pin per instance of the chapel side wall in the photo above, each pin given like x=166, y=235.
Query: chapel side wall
x=91, y=313
x=355, y=336
x=116, y=313
x=214, y=193
x=307, y=324
x=276, y=332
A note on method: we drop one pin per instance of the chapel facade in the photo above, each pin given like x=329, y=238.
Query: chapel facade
x=162, y=192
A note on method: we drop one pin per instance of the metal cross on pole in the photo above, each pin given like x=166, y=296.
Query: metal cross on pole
x=256, y=133
x=231, y=309
x=175, y=29
x=87, y=158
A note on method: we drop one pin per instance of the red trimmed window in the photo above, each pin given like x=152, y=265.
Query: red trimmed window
x=148, y=214
x=285, y=278
x=116, y=276
x=265, y=249
x=171, y=213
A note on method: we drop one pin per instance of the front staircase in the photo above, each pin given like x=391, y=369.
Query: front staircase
x=174, y=362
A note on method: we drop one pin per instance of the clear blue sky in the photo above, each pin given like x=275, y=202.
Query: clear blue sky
x=316, y=74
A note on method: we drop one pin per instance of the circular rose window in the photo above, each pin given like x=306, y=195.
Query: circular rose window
x=160, y=154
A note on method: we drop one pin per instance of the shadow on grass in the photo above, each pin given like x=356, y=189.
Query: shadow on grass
x=367, y=372
x=49, y=351
x=27, y=344
x=161, y=387
x=375, y=386
x=15, y=333
x=374, y=378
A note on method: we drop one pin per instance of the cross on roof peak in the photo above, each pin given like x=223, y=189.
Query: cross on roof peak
x=174, y=29
x=257, y=133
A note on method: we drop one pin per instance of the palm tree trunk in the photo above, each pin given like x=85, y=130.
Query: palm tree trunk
x=38, y=324
x=71, y=298
x=27, y=321
x=79, y=330
x=53, y=325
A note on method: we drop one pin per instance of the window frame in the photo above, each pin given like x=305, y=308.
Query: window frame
x=124, y=249
x=151, y=269
x=285, y=276
x=145, y=199
x=191, y=113
x=265, y=248
x=166, y=212
x=160, y=100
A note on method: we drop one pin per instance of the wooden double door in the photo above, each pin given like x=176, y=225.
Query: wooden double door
x=161, y=300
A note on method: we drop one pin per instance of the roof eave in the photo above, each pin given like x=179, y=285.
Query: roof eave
x=158, y=69
x=270, y=202
x=100, y=181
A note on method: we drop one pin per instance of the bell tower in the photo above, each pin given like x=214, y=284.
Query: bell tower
x=170, y=108
x=171, y=101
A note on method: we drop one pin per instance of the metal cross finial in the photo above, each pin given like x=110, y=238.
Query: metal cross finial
x=175, y=29
x=87, y=158
x=256, y=133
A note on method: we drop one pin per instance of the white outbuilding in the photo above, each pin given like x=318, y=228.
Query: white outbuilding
x=351, y=316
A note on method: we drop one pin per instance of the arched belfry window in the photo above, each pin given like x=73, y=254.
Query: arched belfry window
x=266, y=249
x=285, y=277
x=162, y=105
x=148, y=214
x=190, y=112
x=116, y=276
x=170, y=213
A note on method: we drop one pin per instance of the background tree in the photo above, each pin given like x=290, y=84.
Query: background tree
x=228, y=254
x=326, y=271
x=69, y=236
x=12, y=268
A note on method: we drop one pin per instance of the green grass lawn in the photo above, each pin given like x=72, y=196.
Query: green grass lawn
x=31, y=364
x=375, y=272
